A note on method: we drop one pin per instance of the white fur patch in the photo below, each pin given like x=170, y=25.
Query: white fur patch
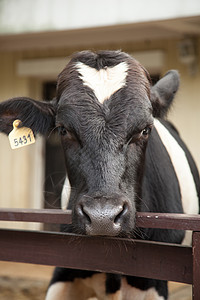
x=97, y=283
x=66, y=190
x=182, y=169
x=104, y=82
x=59, y=290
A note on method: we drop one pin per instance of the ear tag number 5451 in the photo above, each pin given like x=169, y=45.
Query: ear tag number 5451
x=20, y=136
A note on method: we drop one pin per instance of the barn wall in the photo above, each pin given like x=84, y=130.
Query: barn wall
x=186, y=111
x=21, y=171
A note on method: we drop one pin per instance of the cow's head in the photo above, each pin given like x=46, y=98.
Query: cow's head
x=104, y=113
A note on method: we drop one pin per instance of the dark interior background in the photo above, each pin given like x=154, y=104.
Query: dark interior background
x=54, y=164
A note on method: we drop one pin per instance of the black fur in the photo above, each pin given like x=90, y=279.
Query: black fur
x=62, y=275
x=145, y=284
x=162, y=93
x=39, y=116
x=113, y=283
x=160, y=183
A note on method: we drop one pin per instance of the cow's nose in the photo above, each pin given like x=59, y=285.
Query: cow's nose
x=101, y=217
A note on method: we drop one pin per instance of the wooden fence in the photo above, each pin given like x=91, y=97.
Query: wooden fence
x=131, y=257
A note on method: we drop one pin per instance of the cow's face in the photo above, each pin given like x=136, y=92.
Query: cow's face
x=104, y=114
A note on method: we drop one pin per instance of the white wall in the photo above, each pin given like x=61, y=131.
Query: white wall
x=19, y=16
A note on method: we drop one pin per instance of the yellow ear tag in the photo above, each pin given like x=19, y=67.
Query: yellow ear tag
x=20, y=137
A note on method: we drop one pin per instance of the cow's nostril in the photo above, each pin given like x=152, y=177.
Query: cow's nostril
x=123, y=211
x=84, y=214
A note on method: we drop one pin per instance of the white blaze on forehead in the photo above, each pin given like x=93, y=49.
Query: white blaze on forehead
x=103, y=82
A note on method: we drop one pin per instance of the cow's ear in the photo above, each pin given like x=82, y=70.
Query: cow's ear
x=163, y=92
x=37, y=115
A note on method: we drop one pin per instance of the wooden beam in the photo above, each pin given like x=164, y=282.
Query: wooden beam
x=145, y=220
x=196, y=264
x=52, y=216
x=124, y=256
x=168, y=221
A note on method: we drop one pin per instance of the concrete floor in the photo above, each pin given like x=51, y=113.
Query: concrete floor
x=179, y=291
x=29, y=282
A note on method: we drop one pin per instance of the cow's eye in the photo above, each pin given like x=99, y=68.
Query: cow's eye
x=146, y=131
x=62, y=130
x=140, y=136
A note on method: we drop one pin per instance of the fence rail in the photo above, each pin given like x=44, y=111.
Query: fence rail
x=113, y=255
x=145, y=220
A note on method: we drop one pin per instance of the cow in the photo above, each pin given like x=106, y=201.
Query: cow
x=122, y=156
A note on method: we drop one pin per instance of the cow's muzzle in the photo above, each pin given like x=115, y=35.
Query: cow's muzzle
x=107, y=216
